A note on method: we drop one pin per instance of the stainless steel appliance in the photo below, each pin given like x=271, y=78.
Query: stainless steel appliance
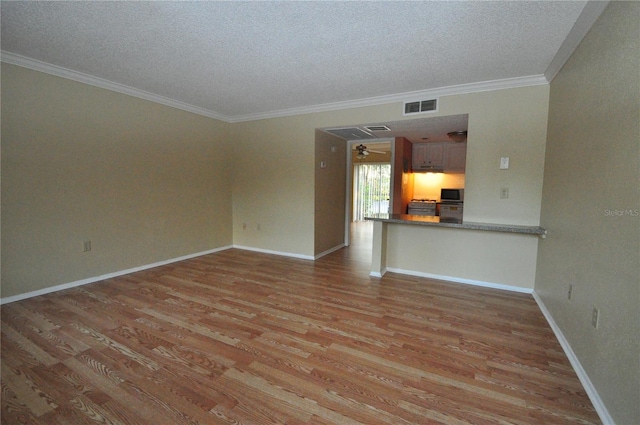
x=451, y=205
x=422, y=207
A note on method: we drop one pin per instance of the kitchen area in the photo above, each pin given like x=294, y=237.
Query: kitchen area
x=447, y=217
x=433, y=184
x=425, y=229
x=448, y=208
x=427, y=158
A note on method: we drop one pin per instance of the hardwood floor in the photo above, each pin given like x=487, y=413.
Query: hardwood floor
x=240, y=337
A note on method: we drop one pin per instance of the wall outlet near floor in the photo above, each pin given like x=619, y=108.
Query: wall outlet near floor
x=595, y=317
x=570, y=292
x=86, y=246
x=504, y=193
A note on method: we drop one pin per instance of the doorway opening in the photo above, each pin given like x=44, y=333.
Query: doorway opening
x=369, y=188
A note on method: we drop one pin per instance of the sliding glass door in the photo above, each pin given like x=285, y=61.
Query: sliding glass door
x=371, y=186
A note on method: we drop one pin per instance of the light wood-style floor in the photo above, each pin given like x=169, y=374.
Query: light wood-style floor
x=247, y=338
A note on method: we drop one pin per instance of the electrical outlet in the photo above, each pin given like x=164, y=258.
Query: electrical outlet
x=595, y=317
x=86, y=246
x=504, y=193
x=569, y=292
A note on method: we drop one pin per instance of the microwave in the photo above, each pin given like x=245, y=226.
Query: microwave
x=451, y=195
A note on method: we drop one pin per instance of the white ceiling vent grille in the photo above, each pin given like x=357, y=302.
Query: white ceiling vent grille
x=377, y=128
x=420, y=106
x=351, y=133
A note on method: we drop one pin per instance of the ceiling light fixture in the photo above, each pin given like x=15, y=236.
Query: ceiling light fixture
x=458, y=136
x=362, y=151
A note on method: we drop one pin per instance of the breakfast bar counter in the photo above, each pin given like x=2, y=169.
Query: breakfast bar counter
x=426, y=220
x=381, y=222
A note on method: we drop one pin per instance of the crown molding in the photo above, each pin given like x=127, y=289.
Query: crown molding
x=58, y=71
x=507, y=83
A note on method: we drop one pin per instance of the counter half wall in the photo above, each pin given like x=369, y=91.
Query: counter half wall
x=489, y=255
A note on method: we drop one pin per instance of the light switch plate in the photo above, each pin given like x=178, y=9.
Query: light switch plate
x=504, y=163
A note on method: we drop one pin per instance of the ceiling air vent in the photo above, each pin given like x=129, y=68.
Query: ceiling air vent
x=377, y=128
x=420, y=106
x=351, y=133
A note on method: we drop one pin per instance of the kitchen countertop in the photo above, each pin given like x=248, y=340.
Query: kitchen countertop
x=425, y=220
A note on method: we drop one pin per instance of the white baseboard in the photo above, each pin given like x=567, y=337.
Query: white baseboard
x=268, y=251
x=86, y=281
x=601, y=409
x=329, y=251
x=461, y=280
x=378, y=274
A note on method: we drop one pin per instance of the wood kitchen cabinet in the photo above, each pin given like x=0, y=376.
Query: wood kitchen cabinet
x=455, y=157
x=428, y=156
x=450, y=157
x=402, y=176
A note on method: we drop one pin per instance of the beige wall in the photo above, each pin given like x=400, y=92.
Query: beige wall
x=471, y=256
x=274, y=179
x=330, y=192
x=592, y=171
x=274, y=170
x=146, y=183
x=143, y=182
x=273, y=175
x=509, y=123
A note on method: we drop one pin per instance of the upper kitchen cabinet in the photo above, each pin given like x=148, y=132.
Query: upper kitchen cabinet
x=428, y=157
x=455, y=157
x=448, y=157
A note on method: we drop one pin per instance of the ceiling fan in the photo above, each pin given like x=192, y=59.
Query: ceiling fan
x=363, y=151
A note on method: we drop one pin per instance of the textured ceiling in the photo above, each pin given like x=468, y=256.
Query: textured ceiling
x=238, y=59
